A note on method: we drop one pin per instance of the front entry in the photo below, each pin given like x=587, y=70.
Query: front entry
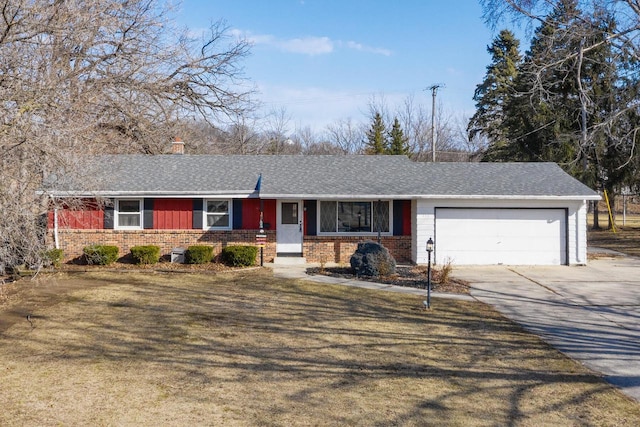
x=289, y=228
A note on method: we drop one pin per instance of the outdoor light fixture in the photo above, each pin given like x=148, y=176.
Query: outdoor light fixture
x=429, y=250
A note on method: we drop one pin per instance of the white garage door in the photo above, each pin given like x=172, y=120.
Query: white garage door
x=501, y=236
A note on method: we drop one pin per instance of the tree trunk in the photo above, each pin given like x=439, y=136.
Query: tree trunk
x=596, y=219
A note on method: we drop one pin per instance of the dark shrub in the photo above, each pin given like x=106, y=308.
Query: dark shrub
x=149, y=254
x=100, y=254
x=198, y=254
x=54, y=257
x=372, y=259
x=239, y=256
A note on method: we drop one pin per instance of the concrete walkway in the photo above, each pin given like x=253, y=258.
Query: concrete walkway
x=590, y=313
x=299, y=271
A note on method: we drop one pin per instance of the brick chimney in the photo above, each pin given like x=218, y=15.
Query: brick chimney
x=177, y=146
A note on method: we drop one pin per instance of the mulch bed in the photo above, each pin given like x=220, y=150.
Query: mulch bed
x=409, y=276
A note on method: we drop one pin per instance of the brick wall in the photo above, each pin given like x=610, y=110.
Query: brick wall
x=72, y=241
x=316, y=248
x=340, y=249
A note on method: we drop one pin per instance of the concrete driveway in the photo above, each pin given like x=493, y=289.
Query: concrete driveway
x=590, y=313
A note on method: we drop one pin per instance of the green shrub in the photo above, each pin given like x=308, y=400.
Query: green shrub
x=54, y=256
x=149, y=254
x=198, y=254
x=100, y=254
x=239, y=256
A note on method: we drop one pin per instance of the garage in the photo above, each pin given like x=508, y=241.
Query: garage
x=509, y=236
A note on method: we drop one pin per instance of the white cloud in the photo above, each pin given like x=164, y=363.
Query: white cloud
x=313, y=106
x=304, y=45
x=310, y=45
x=318, y=107
x=369, y=49
x=307, y=45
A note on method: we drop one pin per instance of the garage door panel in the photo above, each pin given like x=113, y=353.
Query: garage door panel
x=509, y=258
x=501, y=236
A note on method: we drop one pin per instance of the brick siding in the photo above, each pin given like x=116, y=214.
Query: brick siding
x=340, y=249
x=316, y=248
x=72, y=241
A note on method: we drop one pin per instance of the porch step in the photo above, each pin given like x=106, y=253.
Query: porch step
x=289, y=260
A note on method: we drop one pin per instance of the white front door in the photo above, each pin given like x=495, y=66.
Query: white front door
x=289, y=227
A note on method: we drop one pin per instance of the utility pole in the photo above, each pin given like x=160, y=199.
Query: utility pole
x=434, y=90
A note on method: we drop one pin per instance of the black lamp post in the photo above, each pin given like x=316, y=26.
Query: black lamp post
x=429, y=250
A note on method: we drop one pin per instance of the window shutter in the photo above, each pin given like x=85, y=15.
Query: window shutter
x=198, y=205
x=398, y=217
x=237, y=214
x=108, y=223
x=311, y=209
x=147, y=215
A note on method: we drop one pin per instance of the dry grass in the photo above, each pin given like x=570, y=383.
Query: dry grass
x=244, y=348
x=626, y=239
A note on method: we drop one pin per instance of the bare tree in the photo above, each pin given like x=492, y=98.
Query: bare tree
x=450, y=144
x=306, y=138
x=377, y=104
x=347, y=136
x=474, y=145
x=78, y=77
x=276, y=135
x=416, y=122
x=242, y=137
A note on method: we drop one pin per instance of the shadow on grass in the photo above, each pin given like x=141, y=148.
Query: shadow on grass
x=293, y=352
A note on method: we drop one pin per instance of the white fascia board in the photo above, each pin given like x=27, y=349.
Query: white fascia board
x=503, y=197
x=337, y=196
x=156, y=194
x=255, y=194
x=424, y=197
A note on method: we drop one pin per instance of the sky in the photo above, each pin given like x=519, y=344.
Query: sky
x=325, y=60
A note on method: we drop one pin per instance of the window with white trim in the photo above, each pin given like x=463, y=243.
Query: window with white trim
x=128, y=214
x=354, y=217
x=217, y=214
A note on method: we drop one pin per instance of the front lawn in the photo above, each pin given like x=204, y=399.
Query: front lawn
x=625, y=240
x=243, y=348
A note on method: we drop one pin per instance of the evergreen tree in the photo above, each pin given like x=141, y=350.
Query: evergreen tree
x=571, y=101
x=493, y=93
x=542, y=118
x=398, y=142
x=610, y=137
x=376, y=137
x=576, y=92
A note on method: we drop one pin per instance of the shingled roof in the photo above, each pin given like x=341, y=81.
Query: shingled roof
x=340, y=176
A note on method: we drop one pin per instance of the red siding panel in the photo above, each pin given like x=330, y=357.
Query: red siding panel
x=406, y=218
x=270, y=214
x=251, y=214
x=90, y=217
x=173, y=214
